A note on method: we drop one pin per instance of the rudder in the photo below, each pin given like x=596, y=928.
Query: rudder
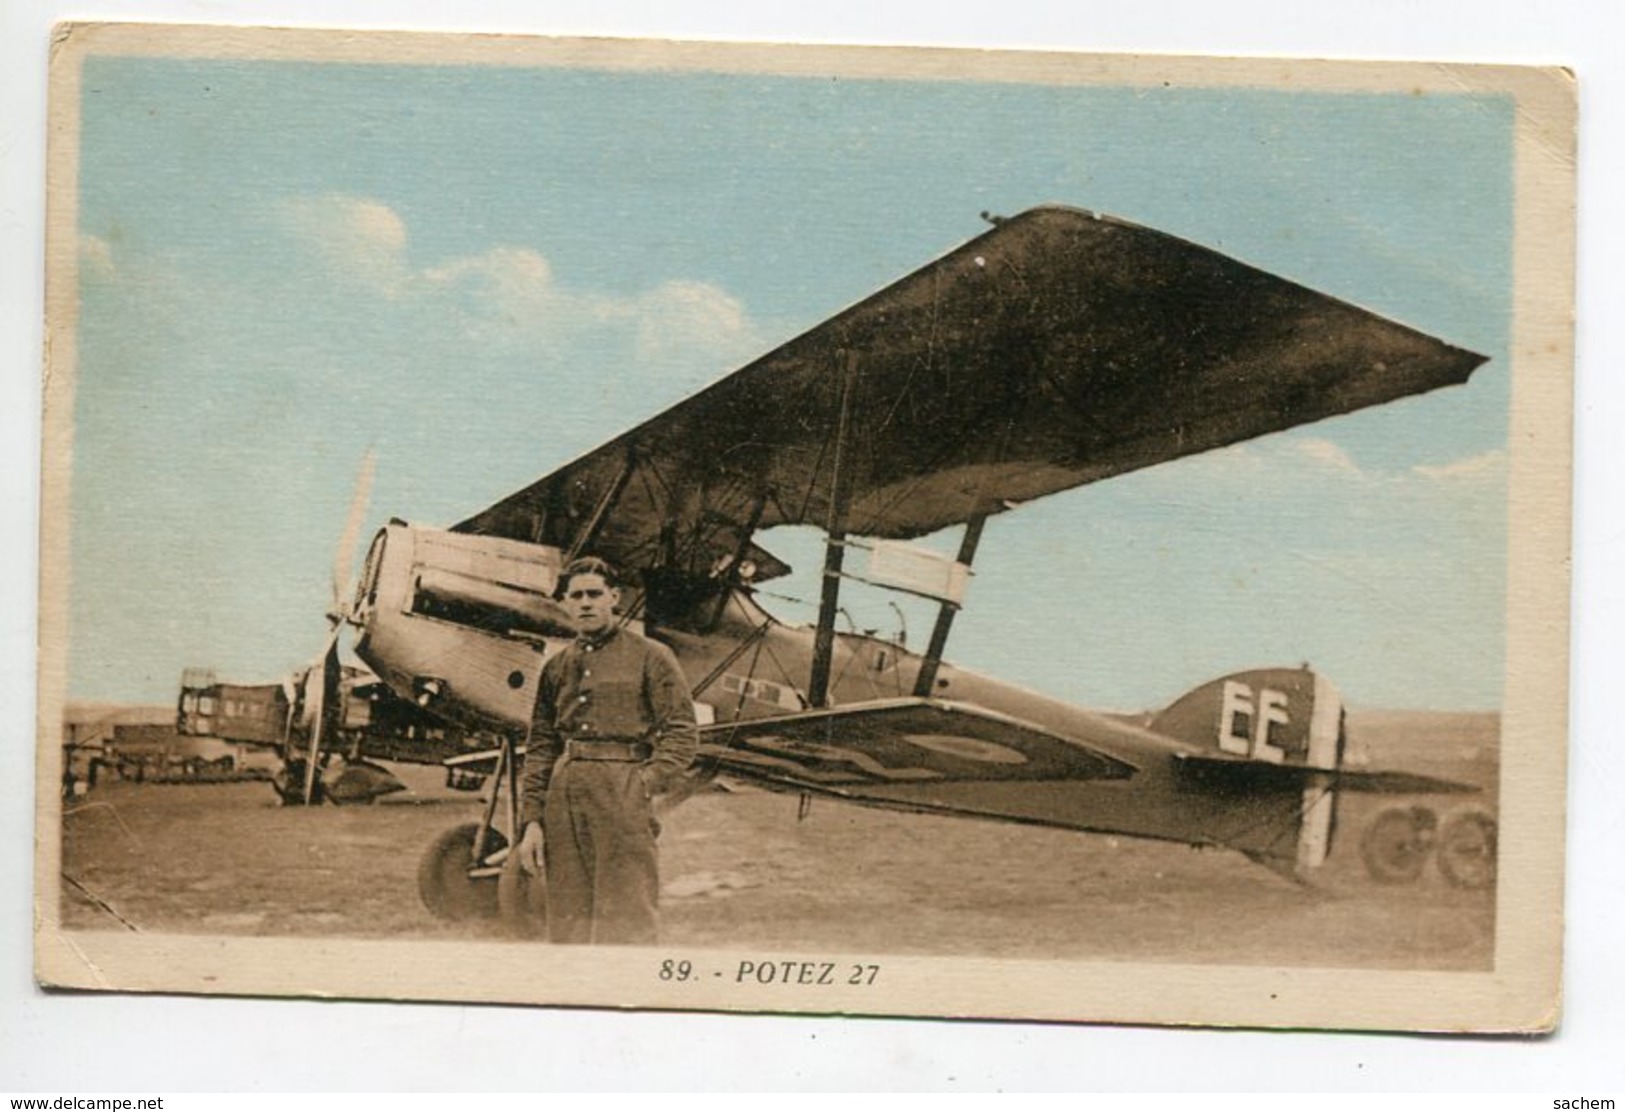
x=1273, y=729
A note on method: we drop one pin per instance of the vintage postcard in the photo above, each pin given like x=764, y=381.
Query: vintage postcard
x=830, y=530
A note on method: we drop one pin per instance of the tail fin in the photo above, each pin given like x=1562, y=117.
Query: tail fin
x=1271, y=742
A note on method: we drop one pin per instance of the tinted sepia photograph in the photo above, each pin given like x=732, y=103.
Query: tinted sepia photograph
x=805, y=529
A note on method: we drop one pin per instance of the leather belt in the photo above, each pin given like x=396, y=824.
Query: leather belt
x=608, y=750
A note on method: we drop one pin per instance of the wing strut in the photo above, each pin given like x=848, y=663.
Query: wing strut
x=834, y=544
x=946, y=611
x=589, y=531
x=732, y=569
x=734, y=654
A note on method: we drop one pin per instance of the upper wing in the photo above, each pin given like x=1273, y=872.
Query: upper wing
x=900, y=741
x=1057, y=349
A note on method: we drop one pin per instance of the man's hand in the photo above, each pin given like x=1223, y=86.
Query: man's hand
x=530, y=849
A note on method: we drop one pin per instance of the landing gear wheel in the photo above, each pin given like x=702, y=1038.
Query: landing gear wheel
x=521, y=901
x=443, y=881
x=1467, y=850
x=1395, y=846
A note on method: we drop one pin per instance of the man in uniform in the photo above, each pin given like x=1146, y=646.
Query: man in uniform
x=613, y=727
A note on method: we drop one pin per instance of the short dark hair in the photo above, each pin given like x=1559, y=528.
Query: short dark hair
x=587, y=565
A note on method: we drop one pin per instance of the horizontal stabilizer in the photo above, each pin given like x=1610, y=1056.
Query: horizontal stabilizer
x=1239, y=774
x=1400, y=783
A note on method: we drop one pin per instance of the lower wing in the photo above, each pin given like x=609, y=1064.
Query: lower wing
x=896, y=742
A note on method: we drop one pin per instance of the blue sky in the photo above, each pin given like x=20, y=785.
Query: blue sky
x=481, y=273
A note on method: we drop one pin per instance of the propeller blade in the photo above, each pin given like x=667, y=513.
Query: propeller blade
x=326, y=699
x=292, y=689
x=344, y=559
x=321, y=682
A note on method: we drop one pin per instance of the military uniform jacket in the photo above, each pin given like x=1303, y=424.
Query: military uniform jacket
x=618, y=687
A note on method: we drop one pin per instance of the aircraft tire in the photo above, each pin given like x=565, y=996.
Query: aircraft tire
x=1396, y=844
x=443, y=881
x=1467, y=848
x=521, y=901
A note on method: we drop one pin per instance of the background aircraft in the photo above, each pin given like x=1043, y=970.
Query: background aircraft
x=357, y=725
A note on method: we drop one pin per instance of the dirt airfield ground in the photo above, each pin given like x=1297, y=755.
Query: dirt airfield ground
x=741, y=868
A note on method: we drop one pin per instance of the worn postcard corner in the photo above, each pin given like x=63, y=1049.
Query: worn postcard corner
x=769, y=529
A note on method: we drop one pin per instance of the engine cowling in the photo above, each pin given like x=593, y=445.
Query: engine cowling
x=459, y=623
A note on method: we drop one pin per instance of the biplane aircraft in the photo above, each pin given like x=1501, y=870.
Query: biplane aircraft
x=1058, y=348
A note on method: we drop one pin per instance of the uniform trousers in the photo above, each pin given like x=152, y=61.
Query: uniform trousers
x=603, y=877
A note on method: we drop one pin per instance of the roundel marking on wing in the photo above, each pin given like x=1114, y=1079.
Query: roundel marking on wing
x=970, y=748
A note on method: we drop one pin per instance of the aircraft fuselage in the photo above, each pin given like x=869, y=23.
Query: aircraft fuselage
x=470, y=647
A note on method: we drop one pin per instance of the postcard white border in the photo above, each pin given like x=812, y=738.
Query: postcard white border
x=1567, y=30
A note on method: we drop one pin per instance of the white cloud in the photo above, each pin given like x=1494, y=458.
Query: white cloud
x=1248, y=463
x=1232, y=463
x=1485, y=465
x=1298, y=471
x=510, y=287
x=1327, y=454
x=681, y=316
x=1319, y=459
x=357, y=239
x=96, y=257
x=509, y=294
